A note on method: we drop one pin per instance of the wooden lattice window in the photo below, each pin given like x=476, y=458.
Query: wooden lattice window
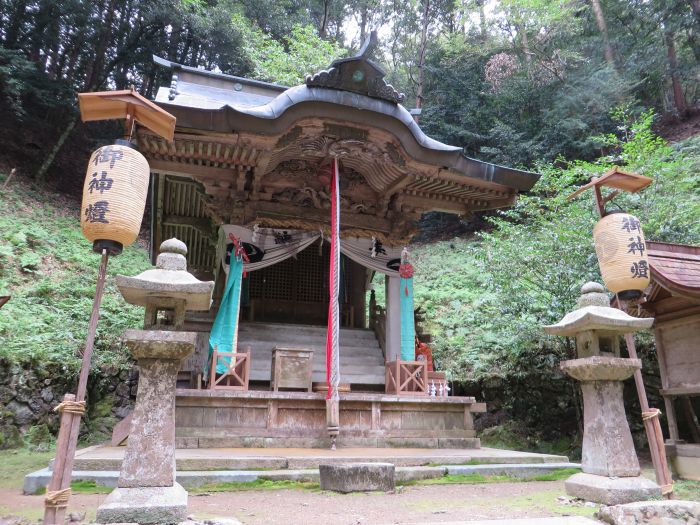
x=302, y=278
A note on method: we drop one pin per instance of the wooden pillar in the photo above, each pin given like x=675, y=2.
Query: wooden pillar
x=393, y=317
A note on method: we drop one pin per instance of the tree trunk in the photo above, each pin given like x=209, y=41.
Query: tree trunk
x=363, y=24
x=603, y=28
x=525, y=43
x=482, y=19
x=40, y=176
x=695, y=6
x=678, y=96
x=324, y=19
x=92, y=79
x=17, y=20
x=421, y=57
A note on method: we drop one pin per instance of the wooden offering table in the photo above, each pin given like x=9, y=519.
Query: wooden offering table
x=291, y=368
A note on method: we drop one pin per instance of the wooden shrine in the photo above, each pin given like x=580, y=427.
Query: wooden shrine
x=673, y=298
x=250, y=161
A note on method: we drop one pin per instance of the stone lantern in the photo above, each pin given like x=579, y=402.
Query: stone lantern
x=611, y=473
x=146, y=490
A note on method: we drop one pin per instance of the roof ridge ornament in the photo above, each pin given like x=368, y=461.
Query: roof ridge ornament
x=357, y=74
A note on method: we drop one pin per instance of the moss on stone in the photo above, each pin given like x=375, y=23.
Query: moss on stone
x=10, y=437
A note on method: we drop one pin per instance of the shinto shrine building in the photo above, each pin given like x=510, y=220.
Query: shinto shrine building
x=250, y=168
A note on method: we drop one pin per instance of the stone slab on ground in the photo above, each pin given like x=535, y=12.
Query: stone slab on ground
x=37, y=481
x=666, y=512
x=520, y=471
x=568, y=520
x=193, y=478
x=405, y=474
x=611, y=491
x=358, y=477
x=144, y=505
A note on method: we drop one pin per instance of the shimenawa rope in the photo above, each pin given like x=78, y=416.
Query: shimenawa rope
x=72, y=407
x=57, y=498
x=650, y=414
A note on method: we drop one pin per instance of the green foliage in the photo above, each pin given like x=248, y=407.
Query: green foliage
x=478, y=479
x=38, y=436
x=286, y=62
x=83, y=486
x=258, y=484
x=687, y=490
x=18, y=462
x=488, y=300
x=50, y=271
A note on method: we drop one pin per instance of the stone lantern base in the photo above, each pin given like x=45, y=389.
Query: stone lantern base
x=144, y=505
x=611, y=491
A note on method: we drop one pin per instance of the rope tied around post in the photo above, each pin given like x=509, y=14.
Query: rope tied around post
x=650, y=414
x=667, y=489
x=71, y=407
x=57, y=498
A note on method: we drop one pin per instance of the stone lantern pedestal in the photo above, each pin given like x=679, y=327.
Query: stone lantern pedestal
x=146, y=490
x=611, y=473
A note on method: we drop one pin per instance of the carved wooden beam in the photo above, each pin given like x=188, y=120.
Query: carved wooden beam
x=258, y=209
x=192, y=171
x=397, y=185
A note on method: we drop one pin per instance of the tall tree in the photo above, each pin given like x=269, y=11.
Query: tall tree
x=603, y=28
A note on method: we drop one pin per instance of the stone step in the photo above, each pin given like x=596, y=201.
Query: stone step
x=264, y=348
x=348, y=375
x=309, y=330
x=345, y=338
x=190, y=478
x=265, y=361
x=350, y=369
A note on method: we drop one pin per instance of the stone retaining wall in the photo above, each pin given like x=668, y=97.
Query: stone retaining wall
x=29, y=393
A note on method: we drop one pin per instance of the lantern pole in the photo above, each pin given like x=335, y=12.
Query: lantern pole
x=650, y=416
x=71, y=409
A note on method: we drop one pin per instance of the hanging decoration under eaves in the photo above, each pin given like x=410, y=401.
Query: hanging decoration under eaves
x=408, y=328
x=268, y=246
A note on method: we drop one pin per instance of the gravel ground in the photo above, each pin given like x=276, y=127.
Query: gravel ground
x=412, y=504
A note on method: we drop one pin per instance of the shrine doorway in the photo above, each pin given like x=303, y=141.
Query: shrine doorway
x=295, y=290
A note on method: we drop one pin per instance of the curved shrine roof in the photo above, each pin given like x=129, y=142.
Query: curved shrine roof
x=219, y=103
x=676, y=267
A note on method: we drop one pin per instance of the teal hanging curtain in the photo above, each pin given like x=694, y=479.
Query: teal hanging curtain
x=408, y=329
x=224, y=331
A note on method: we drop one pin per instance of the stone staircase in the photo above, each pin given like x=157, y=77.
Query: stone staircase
x=361, y=358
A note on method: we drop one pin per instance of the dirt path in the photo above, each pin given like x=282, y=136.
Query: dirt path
x=427, y=503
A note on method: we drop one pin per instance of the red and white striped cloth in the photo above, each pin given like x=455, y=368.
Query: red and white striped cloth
x=332, y=336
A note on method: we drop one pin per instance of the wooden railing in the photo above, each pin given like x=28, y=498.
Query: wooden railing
x=377, y=322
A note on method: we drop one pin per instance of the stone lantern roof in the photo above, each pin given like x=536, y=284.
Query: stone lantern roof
x=594, y=313
x=168, y=281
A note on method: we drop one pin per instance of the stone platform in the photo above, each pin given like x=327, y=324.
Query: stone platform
x=109, y=458
x=197, y=467
x=257, y=418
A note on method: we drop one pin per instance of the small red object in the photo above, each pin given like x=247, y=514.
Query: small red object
x=425, y=353
x=238, y=250
x=406, y=270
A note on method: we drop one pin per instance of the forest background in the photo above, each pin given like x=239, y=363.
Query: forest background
x=566, y=88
